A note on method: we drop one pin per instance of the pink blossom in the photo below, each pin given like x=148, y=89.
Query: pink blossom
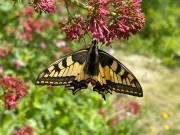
x=28, y=10
x=42, y=45
x=102, y=111
x=119, y=106
x=133, y=108
x=47, y=23
x=60, y=44
x=107, y=20
x=17, y=133
x=37, y=25
x=44, y=5
x=99, y=29
x=74, y=31
x=9, y=81
x=103, y=11
x=1, y=69
x=114, y=122
x=29, y=20
x=27, y=27
x=14, y=89
x=10, y=100
x=120, y=117
x=17, y=63
x=65, y=49
x=27, y=36
x=130, y=19
x=26, y=130
x=31, y=26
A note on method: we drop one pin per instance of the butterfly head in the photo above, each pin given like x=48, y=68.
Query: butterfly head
x=94, y=47
x=94, y=42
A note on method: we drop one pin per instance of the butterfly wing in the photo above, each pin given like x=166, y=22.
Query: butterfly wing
x=118, y=77
x=67, y=71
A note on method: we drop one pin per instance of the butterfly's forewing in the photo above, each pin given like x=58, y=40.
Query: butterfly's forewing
x=118, y=77
x=65, y=71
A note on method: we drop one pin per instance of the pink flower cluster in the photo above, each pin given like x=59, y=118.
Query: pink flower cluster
x=73, y=29
x=26, y=130
x=122, y=109
x=14, y=89
x=107, y=20
x=17, y=63
x=44, y=5
x=30, y=25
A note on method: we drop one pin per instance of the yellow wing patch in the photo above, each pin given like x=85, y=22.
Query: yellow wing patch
x=64, y=70
x=117, y=77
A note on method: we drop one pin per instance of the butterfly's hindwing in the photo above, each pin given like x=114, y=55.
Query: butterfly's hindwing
x=65, y=71
x=118, y=77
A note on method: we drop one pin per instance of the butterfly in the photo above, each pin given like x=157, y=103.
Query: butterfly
x=91, y=66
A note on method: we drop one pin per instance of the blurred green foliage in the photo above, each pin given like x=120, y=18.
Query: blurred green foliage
x=54, y=111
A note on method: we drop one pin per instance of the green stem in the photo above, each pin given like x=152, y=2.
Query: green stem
x=67, y=8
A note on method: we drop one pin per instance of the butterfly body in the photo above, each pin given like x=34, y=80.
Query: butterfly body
x=91, y=66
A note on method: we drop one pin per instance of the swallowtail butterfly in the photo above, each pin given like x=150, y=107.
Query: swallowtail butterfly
x=91, y=66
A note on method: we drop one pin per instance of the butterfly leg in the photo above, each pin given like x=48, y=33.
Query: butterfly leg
x=109, y=91
x=100, y=89
x=75, y=91
x=103, y=95
x=77, y=86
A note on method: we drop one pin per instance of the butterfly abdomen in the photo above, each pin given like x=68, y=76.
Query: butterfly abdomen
x=92, y=62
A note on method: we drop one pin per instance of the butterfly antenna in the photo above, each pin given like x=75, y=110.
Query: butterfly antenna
x=104, y=97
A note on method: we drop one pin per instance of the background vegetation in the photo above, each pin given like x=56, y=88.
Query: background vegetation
x=153, y=55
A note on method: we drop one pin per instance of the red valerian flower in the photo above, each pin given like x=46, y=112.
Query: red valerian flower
x=129, y=19
x=99, y=29
x=27, y=36
x=44, y=5
x=17, y=63
x=120, y=117
x=31, y=26
x=42, y=45
x=26, y=130
x=27, y=27
x=10, y=100
x=74, y=30
x=114, y=122
x=14, y=89
x=27, y=10
x=60, y=44
x=103, y=11
x=65, y=49
x=102, y=111
x=108, y=20
x=133, y=108
x=124, y=19
x=37, y=25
